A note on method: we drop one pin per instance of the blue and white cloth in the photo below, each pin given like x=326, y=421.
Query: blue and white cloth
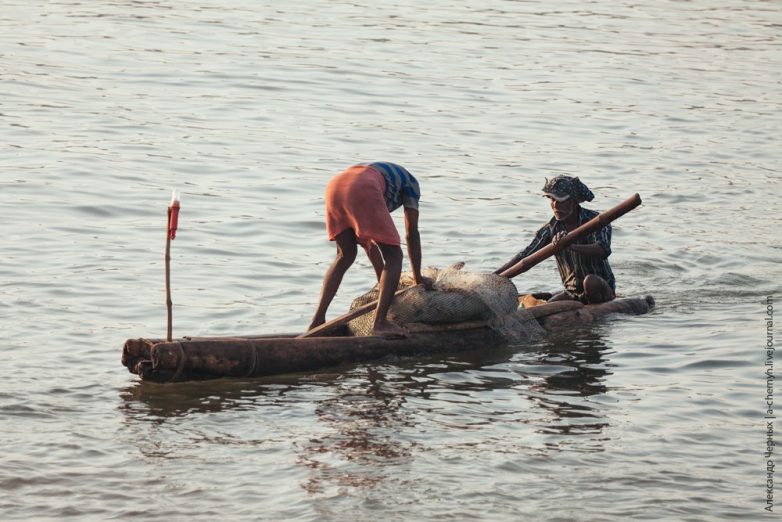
x=401, y=187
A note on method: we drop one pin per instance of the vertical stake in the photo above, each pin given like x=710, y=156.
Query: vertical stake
x=171, y=225
x=169, y=304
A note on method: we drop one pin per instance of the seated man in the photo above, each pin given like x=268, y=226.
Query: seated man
x=583, y=266
x=358, y=205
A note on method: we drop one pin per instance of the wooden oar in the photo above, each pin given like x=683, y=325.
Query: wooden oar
x=345, y=318
x=596, y=223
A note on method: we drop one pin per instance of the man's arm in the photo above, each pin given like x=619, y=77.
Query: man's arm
x=515, y=259
x=414, y=247
x=542, y=238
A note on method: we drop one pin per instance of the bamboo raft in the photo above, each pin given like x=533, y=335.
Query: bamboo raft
x=331, y=344
x=197, y=358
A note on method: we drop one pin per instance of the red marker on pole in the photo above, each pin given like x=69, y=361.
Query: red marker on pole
x=171, y=226
x=173, y=220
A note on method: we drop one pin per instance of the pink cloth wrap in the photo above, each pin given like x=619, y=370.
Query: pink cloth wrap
x=354, y=199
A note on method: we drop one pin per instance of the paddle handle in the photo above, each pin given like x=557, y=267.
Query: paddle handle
x=345, y=318
x=594, y=224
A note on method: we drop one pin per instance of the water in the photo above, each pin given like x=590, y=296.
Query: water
x=249, y=108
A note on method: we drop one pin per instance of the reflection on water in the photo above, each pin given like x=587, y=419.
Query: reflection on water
x=564, y=394
x=364, y=418
x=144, y=401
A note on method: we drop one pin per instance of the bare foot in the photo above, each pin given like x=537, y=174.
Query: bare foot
x=389, y=330
x=315, y=323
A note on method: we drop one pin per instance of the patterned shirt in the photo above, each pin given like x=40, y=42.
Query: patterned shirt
x=401, y=187
x=574, y=267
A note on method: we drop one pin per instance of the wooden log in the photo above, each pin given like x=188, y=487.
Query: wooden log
x=553, y=308
x=133, y=352
x=566, y=320
x=209, y=357
x=583, y=315
x=623, y=305
x=235, y=357
x=445, y=327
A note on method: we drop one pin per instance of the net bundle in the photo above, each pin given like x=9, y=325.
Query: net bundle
x=459, y=296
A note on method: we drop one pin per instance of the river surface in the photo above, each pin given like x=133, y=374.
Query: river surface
x=248, y=108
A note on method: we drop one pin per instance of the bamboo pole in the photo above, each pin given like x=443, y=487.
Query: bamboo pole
x=169, y=304
x=172, y=222
x=347, y=317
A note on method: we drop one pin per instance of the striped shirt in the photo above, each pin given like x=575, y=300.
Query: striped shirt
x=401, y=187
x=574, y=267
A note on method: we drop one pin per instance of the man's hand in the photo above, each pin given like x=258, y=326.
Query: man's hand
x=558, y=237
x=427, y=282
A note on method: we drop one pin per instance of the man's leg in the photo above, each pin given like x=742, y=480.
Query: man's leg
x=376, y=258
x=561, y=296
x=597, y=290
x=346, y=254
x=389, y=279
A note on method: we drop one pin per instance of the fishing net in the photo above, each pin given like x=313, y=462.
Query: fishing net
x=458, y=296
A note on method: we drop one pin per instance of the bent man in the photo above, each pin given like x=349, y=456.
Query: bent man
x=359, y=202
x=583, y=266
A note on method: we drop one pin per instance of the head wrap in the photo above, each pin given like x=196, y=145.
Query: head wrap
x=563, y=187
